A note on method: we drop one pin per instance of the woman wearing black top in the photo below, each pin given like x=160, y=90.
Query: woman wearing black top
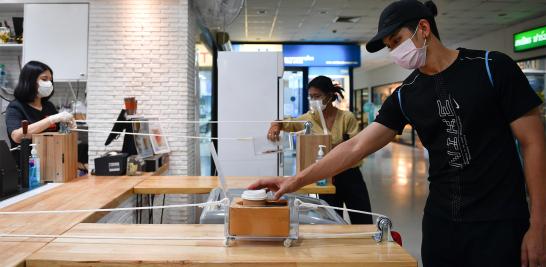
x=31, y=103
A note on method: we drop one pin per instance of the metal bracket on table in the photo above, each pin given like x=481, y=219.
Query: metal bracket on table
x=384, y=226
x=307, y=127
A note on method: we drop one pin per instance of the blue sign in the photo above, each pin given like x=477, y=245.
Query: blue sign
x=311, y=55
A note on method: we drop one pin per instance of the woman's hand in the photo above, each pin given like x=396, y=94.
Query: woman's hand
x=279, y=185
x=274, y=131
x=61, y=117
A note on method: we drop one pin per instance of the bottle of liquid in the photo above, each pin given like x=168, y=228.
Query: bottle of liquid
x=3, y=76
x=320, y=155
x=33, y=168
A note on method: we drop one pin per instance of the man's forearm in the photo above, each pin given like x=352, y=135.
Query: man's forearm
x=535, y=172
x=347, y=154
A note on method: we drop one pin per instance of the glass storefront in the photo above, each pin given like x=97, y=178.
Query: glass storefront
x=204, y=83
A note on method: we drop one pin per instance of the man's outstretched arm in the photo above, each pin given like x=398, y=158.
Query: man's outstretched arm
x=342, y=157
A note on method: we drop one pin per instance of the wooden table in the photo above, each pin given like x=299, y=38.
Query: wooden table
x=204, y=184
x=124, y=252
x=89, y=192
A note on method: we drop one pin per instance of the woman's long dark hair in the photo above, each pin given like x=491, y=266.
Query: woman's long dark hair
x=325, y=85
x=27, y=88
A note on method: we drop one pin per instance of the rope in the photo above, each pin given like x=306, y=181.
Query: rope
x=311, y=205
x=340, y=235
x=112, y=237
x=224, y=202
x=167, y=135
x=182, y=121
x=303, y=236
x=221, y=202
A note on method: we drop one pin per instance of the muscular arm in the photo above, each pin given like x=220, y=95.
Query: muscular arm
x=529, y=131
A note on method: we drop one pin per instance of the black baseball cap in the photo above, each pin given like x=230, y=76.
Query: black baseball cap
x=395, y=16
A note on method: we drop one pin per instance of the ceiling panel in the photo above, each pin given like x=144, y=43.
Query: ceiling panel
x=312, y=20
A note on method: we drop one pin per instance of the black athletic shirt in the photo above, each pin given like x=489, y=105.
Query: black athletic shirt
x=18, y=111
x=464, y=121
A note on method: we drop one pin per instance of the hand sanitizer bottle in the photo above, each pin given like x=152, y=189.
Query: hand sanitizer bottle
x=320, y=155
x=33, y=168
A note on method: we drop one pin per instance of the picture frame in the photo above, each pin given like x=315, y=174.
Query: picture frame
x=160, y=144
x=143, y=143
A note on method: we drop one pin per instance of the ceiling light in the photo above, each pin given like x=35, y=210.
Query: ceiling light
x=347, y=19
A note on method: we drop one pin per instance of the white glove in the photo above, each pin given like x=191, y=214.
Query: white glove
x=61, y=117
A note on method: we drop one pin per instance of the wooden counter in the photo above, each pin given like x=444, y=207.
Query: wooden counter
x=88, y=192
x=204, y=184
x=124, y=252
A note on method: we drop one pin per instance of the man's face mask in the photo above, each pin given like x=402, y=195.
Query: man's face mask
x=408, y=56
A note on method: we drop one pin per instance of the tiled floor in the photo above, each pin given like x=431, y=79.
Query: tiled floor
x=396, y=177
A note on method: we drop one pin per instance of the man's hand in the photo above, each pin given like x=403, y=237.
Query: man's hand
x=279, y=185
x=533, y=247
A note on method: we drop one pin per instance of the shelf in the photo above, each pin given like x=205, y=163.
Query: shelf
x=11, y=46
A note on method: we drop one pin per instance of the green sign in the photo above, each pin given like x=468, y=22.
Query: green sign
x=530, y=39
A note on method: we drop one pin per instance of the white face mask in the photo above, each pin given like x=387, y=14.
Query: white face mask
x=408, y=56
x=45, y=88
x=315, y=105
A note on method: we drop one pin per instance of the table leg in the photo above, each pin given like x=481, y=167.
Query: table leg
x=161, y=219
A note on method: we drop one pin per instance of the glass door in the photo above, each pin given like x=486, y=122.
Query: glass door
x=294, y=105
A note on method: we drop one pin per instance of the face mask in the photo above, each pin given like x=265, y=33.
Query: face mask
x=408, y=56
x=44, y=88
x=316, y=105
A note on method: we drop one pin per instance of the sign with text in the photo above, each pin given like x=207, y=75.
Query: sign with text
x=321, y=55
x=530, y=39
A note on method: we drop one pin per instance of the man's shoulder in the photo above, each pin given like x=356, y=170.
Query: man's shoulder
x=410, y=81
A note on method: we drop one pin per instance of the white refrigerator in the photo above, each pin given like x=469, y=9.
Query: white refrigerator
x=250, y=90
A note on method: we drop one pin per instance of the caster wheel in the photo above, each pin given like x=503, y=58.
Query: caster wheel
x=287, y=243
x=227, y=242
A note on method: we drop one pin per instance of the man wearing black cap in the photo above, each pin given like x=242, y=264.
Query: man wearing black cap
x=467, y=106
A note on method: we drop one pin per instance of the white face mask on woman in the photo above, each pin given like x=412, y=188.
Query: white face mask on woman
x=315, y=105
x=408, y=56
x=45, y=88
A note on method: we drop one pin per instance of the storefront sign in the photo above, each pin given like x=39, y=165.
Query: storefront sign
x=530, y=39
x=311, y=55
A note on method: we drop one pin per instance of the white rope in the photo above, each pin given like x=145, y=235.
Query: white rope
x=302, y=236
x=221, y=202
x=112, y=237
x=340, y=235
x=167, y=135
x=323, y=122
x=183, y=121
x=311, y=205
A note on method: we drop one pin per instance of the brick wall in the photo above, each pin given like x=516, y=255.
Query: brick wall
x=143, y=49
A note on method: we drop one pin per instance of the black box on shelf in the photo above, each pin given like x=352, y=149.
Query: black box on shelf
x=111, y=164
x=153, y=163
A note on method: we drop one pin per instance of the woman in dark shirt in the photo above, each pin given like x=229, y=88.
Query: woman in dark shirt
x=31, y=103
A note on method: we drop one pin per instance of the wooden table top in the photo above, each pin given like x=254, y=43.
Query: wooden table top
x=88, y=192
x=204, y=184
x=124, y=252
